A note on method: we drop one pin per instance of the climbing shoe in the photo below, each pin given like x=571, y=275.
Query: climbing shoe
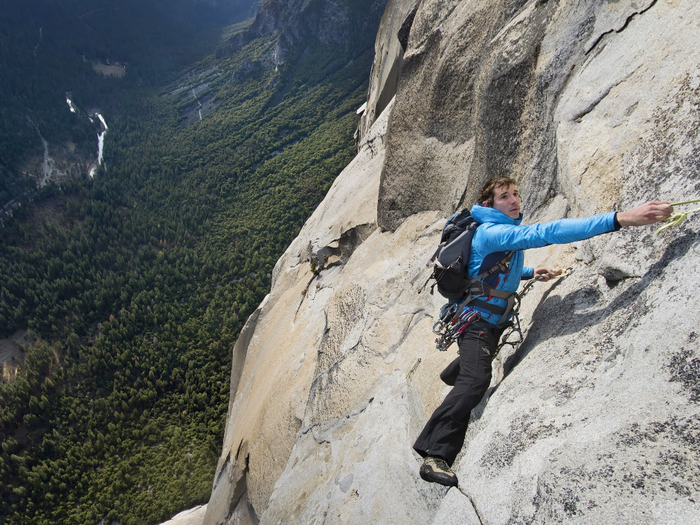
x=436, y=470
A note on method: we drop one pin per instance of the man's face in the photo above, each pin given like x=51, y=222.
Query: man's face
x=506, y=199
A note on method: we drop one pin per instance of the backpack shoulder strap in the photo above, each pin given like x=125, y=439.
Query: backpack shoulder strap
x=501, y=265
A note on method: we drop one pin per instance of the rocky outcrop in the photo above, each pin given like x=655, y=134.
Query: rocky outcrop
x=391, y=42
x=273, y=404
x=188, y=517
x=594, y=418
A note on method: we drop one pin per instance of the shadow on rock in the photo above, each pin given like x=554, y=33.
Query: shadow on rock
x=559, y=316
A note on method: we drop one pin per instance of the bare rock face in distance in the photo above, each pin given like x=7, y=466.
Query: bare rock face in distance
x=392, y=40
x=346, y=25
x=591, y=106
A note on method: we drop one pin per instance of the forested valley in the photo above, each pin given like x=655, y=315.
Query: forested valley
x=128, y=289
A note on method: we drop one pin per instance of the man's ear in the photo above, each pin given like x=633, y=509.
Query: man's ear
x=485, y=204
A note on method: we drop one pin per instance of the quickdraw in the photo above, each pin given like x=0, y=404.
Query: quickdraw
x=453, y=323
x=514, y=327
x=680, y=217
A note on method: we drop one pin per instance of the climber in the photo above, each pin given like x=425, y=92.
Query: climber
x=500, y=231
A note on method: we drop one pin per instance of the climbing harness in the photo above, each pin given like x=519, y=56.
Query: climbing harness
x=456, y=318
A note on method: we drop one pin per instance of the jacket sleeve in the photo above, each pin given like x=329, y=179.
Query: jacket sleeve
x=527, y=273
x=508, y=237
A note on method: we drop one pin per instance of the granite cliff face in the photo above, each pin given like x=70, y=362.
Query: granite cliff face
x=341, y=24
x=591, y=106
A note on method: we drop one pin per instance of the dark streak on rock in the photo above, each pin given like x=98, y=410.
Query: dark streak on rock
x=624, y=26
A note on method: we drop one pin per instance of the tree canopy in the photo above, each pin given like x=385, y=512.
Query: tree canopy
x=133, y=285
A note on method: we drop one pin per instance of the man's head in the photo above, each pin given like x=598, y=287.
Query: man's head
x=501, y=194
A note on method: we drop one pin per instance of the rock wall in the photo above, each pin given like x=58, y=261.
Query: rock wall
x=492, y=88
x=594, y=418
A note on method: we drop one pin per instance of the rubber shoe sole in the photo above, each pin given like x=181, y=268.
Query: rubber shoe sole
x=435, y=470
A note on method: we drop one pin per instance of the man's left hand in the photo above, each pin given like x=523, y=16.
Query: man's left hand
x=545, y=274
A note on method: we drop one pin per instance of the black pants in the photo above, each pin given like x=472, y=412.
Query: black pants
x=443, y=434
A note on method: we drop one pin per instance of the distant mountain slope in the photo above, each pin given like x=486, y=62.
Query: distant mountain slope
x=48, y=49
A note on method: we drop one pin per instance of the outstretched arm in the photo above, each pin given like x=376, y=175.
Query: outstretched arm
x=648, y=213
x=497, y=237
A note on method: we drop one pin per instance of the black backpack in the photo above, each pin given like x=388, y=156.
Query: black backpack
x=451, y=259
x=452, y=255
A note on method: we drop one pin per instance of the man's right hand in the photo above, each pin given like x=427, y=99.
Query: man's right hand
x=648, y=213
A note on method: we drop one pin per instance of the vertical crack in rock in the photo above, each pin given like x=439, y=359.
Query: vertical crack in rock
x=390, y=46
x=223, y=470
x=405, y=29
x=303, y=295
x=230, y=488
x=476, y=509
x=392, y=79
x=239, y=477
x=240, y=351
x=240, y=506
x=622, y=28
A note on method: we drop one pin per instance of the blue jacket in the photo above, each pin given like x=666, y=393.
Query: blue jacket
x=499, y=234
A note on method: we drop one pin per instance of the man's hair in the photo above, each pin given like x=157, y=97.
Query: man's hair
x=487, y=191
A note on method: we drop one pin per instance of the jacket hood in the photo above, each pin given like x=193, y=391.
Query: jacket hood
x=484, y=214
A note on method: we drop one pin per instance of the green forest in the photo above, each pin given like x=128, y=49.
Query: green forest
x=47, y=49
x=132, y=286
